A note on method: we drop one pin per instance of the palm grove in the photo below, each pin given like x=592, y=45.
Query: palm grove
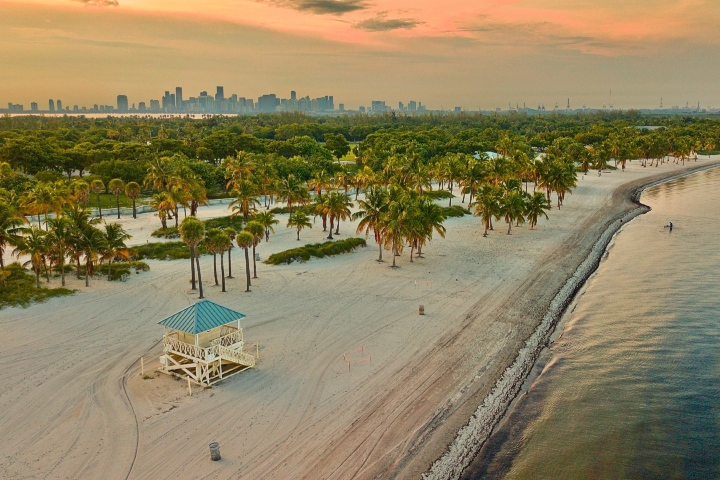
x=398, y=173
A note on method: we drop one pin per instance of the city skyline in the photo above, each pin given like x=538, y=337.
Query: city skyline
x=477, y=55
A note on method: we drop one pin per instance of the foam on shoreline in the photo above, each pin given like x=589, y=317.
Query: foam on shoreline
x=470, y=439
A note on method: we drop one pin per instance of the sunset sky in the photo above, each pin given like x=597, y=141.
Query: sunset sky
x=474, y=54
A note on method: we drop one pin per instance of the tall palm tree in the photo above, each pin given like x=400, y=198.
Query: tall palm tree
x=231, y=233
x=117, y=187
x=10, y=222
x=192, y=232
x=371, y=215
x=115, y=248
x=337, y=206
x=245, y=199
x=197, y=194
x=512, y=207
x=267, y=220
x=299, y=221
x=163, y=203
x=92, y=243
x=34, y=245
x=223, y=243
x=245, y=240
x=81, y=191
x=97, y=186
x=60, y=237
x=487, y=204
x=536, y=206
x=292, y=191
x=132, y=190
x=211, y=243
x=258, y=232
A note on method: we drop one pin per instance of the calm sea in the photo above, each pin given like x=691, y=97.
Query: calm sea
x=631, y=389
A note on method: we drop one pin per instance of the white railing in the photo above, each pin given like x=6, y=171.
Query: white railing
x=232, y=338
x=183, y=348
x=235, y=356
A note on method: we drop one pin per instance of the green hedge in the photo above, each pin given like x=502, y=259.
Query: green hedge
x=170, y=232
x=455, y=211
x=224, y=222
x=438, y=194
x=317, y=250
x=120, y=269
x=17, y=288
x=165, y=251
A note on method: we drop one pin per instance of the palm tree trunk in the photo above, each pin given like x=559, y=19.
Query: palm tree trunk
x=332, y=224
x=509, y=226
x=229, y=263
x=412, y=248
x=117, y=202
x=87, y=274
x=109, y=271
x=298, y=234
x=37, y=278
x=254, y=264
x=197, y=262
x=215, y=268
x=134, y=209
x=222, y=269
x=177, y=211
x=192, y=267
x=62, y=270
x=247, y=269
x=337, y=229
x=99, y=206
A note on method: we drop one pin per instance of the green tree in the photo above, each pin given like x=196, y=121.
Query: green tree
x=192, y=232
x=371, y=214
x=33, y=244
x=258, y=232
x=115, y=248
x=299, y=221
x=132, y=190
x=117, y=187
x=536, y=206
x=245, y=240
x=267, y=220
x=97, y=186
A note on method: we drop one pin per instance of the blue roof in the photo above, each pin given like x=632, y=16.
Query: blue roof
x=204, y=315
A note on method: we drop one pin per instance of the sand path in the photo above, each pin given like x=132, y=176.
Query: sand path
x=74, y=405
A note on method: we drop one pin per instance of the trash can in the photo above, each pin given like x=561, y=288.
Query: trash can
x=214, y=451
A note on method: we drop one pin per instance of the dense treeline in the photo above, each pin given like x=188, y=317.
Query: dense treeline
x=52, y=170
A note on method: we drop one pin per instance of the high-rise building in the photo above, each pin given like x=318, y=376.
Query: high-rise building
x=293, y=96
x=267, y=103
x=341, y=107
x=154, y=105
x=412, y=106
x=122, y=103
x=220, y=94
x=51, y=105
x=59, y=105
x=401, y=106
x=178, y=99
x=377, y=106
x=142, y=107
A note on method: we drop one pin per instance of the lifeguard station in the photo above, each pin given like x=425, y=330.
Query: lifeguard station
x=204, y=342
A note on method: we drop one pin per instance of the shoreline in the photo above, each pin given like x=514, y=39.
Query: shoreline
x=497, y=404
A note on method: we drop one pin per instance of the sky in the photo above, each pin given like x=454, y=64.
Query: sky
x=480, y=54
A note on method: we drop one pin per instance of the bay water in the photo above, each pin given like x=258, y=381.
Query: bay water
x=631, y=387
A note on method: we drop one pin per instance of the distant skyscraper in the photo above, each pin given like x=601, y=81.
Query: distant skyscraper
x=267, y=103
x=122, y=103
x=59, y=105
x=220, y=94
x=51, y=105
x=412, y=106
x=178, y=99
x=293, y=95
x=34, y=107
x=341, y=107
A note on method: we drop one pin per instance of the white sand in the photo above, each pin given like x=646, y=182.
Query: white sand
x=74, y=405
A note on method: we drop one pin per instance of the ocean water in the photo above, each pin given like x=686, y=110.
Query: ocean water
x=631, y=388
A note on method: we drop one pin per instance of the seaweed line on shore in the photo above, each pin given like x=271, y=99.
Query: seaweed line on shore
x=471, y=438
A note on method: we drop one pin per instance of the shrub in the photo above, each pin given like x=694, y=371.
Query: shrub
x=17, y=288
x=121, y=269
x=224, y=222
x=170, y=232
x=306, y=209
x=165, y=251
x=438, y=194
x=317, y=250
x=455, y=211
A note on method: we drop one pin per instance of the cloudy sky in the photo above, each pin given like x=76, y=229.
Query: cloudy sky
x=445, y=53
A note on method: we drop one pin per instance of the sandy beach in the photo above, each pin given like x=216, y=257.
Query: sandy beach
x=74, y=404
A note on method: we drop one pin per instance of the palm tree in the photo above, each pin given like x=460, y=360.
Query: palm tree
x=512, y=207
x=245, y=199
x=337, y=206
x=81, y=191
x=371, y=214
x=132, y=190
x=117, y=186
x=163, y=203
x=292, y=192
x=115, y=247
x=299, y=220
x=60, y=238
x=231, y=233
x=197, y=194
x=223, y=243
x=430, y=218
x=536, y=205
x=258, y=232
x=245, y=240
x=211, y=243
x=91, y=242
x=10, y=221
x=192, y=231
x=487, y=204
x=267, y=220
x=395, y=227
x=33, y=244
x=97, y=186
